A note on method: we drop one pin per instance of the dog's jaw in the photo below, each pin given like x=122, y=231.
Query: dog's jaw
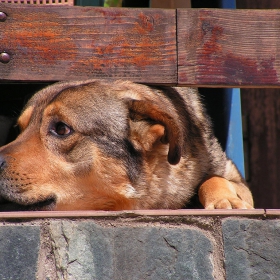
x=44, y=205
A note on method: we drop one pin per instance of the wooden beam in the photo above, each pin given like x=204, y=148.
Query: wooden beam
x=215, y=47
x=66, y=43
x=235, y=48
x=132, y=213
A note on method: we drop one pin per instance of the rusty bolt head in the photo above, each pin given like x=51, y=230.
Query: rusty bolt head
x=4, y=57
x=3, y=16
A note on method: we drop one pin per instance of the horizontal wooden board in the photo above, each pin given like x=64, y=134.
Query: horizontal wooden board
x=215, y=47
x=63, y=43
x=233, y=48
x=133, y=213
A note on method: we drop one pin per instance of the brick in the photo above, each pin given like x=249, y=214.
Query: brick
x=252, y=249
x=19, y=250
x=86, y=250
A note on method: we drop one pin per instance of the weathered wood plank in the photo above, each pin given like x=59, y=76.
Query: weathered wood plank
x=229, y=47
x=262, y=110
x=215, y=47
x=61, y=43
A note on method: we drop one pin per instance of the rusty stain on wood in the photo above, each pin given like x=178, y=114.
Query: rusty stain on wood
x=228, y=47
x=225, y=48
x=48, y=43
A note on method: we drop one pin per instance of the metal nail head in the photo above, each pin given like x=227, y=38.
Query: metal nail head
x=3, y=16
x=4, y=57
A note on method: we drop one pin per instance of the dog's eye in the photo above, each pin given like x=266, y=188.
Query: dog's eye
x=61, y=129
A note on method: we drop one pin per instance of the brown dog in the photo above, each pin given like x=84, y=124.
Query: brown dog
x=114, y=146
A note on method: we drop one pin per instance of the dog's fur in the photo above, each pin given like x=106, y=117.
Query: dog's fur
x=95, y=145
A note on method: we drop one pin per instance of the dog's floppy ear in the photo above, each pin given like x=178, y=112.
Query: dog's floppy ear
x=165, y=128
x=25, y=117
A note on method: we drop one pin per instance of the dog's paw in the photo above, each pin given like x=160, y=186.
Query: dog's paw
x=228, y=203
x=219, y=193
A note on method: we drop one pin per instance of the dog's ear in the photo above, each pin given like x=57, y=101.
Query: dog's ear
x=25, y=117
x=164, y=127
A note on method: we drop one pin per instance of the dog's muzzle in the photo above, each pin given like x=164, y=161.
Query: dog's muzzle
x=10, y=202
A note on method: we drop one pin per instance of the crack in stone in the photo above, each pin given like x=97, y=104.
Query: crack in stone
x=170, y=245
x=76, y=260
x=251, y=253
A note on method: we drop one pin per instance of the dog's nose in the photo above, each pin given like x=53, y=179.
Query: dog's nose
x=2, y=162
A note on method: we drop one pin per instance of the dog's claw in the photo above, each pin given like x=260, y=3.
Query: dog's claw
x=231, y=203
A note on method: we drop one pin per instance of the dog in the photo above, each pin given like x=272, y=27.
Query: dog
x=117, y=145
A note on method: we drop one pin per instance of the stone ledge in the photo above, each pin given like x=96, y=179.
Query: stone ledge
x=140, y=245
x=19, y=251
x=86, y=250
x=252, y=249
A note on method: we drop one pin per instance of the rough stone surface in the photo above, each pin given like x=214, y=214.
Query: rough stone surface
x=19, y=249
x=87, y=251
x=252, y=249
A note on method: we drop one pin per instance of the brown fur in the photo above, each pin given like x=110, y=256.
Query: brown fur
x=113, y=146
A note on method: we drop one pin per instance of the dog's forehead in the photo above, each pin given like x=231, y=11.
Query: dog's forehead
x=90, y=96
x=42, y=98
x=89, y=100
x=81, y=89
x=89, y=108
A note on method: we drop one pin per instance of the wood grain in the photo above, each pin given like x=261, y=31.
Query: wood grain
x=262, y=110
x=232, y=48
x=215, y=47
x=62, y=43
x=132, y=214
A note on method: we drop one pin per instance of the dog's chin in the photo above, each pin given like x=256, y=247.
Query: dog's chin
x=45, y=205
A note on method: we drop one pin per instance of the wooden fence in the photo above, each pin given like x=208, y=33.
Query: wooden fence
x=196, y=47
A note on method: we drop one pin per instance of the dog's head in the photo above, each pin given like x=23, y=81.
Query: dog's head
x=88, y=145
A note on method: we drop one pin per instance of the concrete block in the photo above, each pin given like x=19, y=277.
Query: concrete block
x=85, y=250
x=19, y=251
x=252, y=249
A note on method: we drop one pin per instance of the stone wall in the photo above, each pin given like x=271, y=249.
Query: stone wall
x=141, y=245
